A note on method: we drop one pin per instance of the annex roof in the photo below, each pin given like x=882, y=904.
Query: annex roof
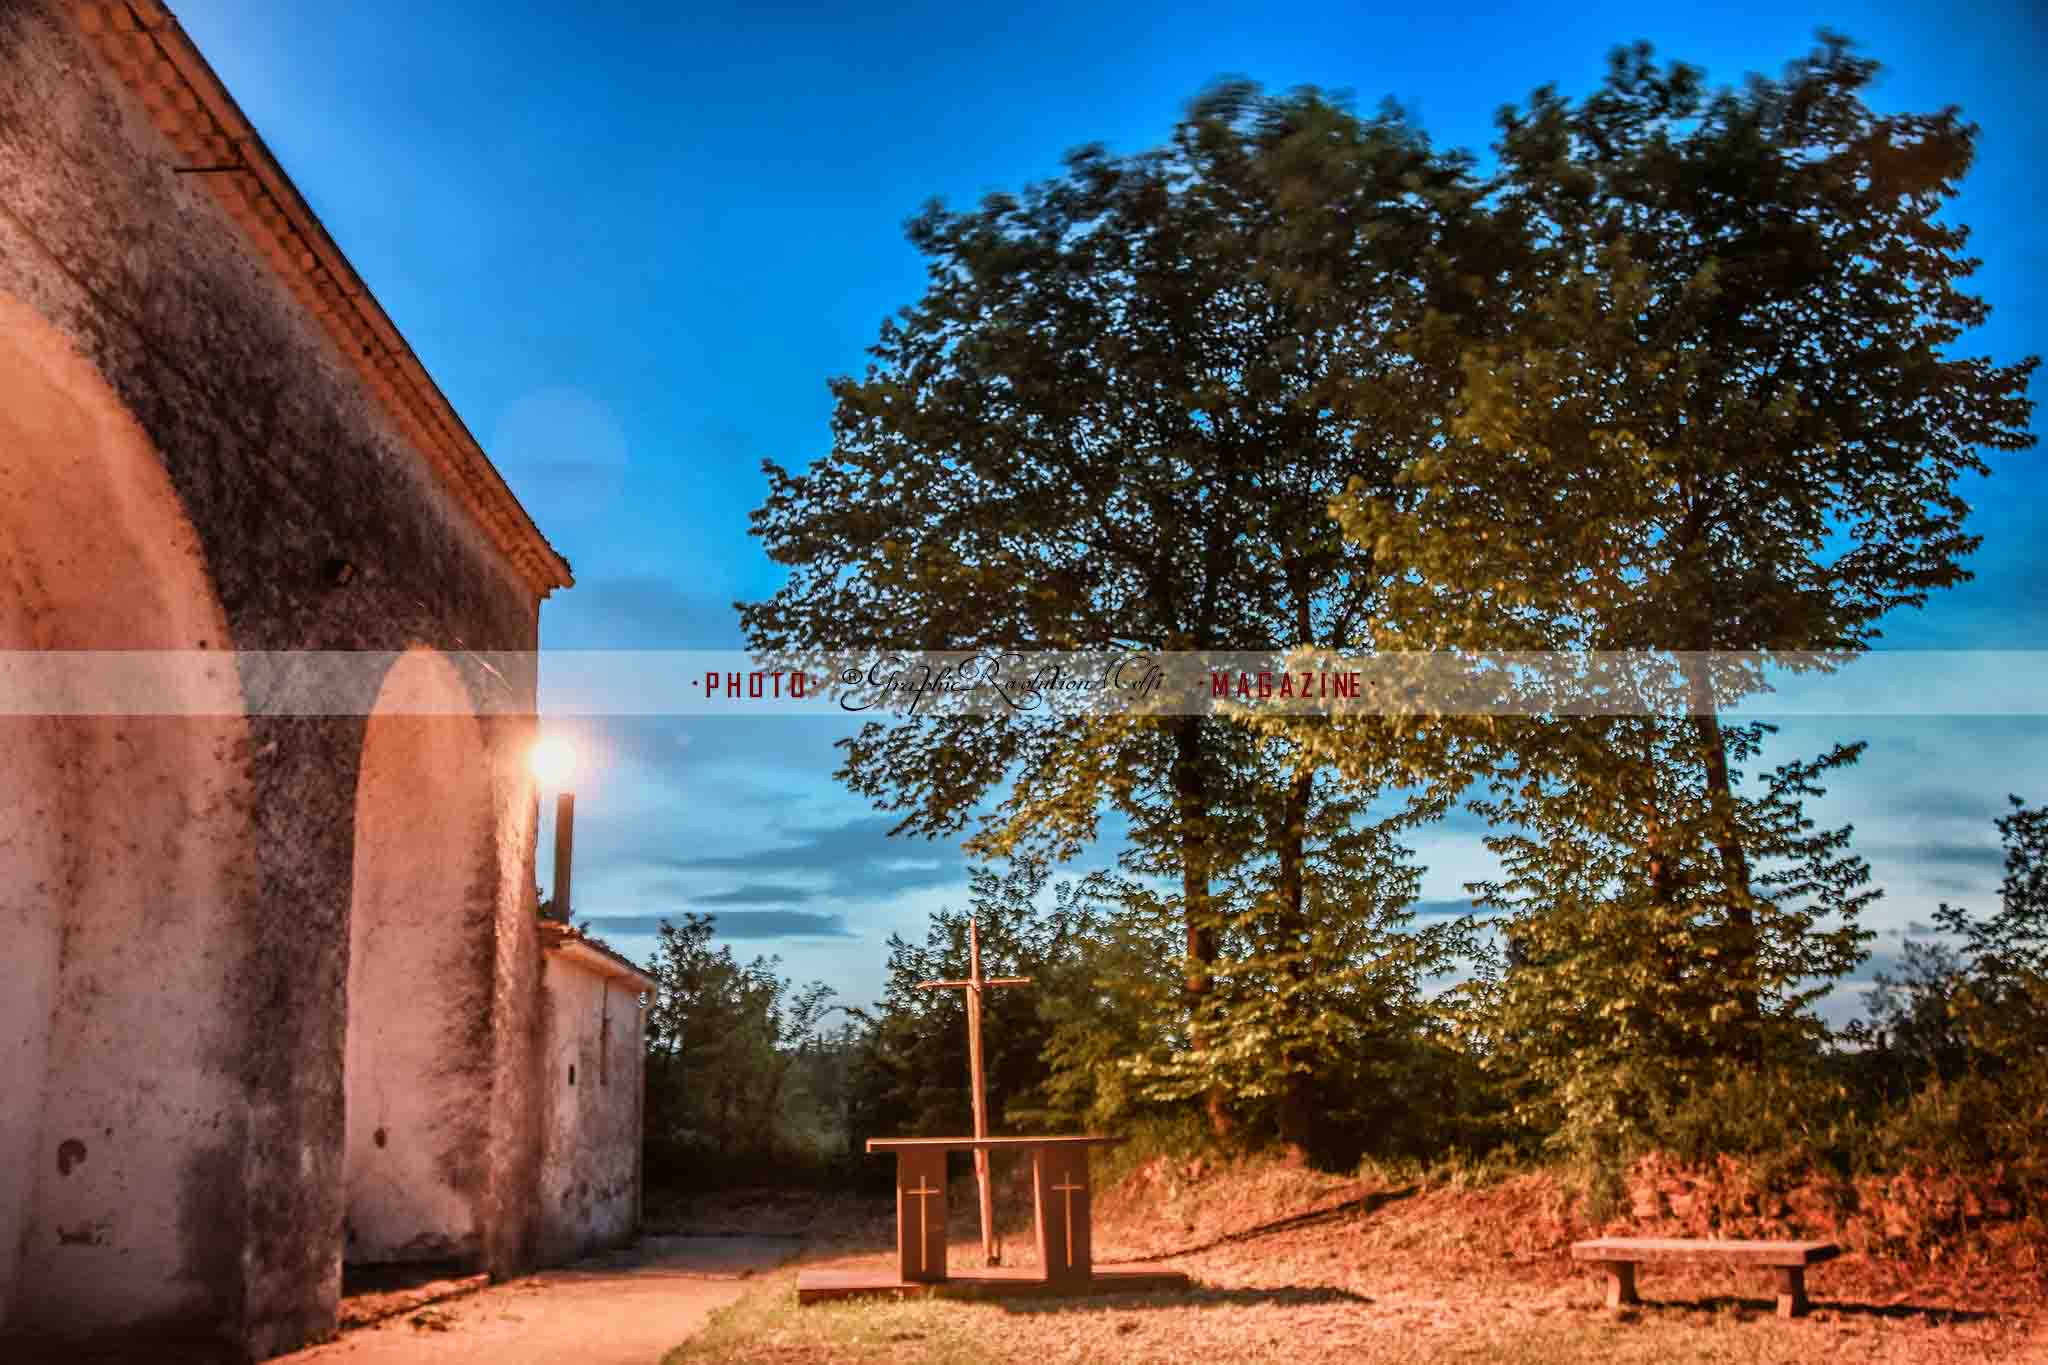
x=567, y=942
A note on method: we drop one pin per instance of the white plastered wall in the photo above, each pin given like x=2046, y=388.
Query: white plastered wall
x=418, y=1058
x=591, y=1142
x=124, y=856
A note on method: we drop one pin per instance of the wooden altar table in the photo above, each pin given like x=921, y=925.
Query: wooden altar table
x=1061, y=1205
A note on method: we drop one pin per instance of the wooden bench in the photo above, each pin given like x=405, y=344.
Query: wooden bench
x=1618, y=1256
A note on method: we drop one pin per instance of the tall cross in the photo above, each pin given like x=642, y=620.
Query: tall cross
x=973, y=986
x=923, y=1231
x=1068, y=1191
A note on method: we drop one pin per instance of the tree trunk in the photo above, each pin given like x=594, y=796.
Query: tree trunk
x=1191, y=796
x=1734, y=864
x=1297, y=1097
x=1664, y=895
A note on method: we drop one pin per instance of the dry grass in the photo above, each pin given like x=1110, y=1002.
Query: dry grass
x=1370, y=1274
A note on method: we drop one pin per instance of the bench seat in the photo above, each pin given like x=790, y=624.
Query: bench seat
x=1788, y=1261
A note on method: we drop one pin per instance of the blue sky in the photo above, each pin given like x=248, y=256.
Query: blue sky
x=632, y=242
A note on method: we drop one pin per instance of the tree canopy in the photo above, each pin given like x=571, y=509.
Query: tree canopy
x=1117, y=418
x=1722, y=414
x=1679, y=378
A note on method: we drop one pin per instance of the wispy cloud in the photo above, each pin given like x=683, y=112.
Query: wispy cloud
x=1966, y=857
x=759, y=893
x=855, y=857
x=734, y=924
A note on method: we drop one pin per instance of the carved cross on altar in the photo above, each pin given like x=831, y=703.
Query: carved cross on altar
x=1068, y=1190
x=924, y=1192
x=973, y=986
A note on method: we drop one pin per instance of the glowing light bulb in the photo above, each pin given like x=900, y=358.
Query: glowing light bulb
x=554, y=761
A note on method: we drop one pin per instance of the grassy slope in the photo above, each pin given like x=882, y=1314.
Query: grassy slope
x=1367, y=1270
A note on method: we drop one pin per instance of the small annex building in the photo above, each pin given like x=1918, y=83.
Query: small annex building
x=277, y=995
x=594, y=1003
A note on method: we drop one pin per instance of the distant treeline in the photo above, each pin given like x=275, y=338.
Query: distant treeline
x=1947, y=1070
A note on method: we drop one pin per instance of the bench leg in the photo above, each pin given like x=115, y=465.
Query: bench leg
x=1792, y=1291
x=1621, y=1283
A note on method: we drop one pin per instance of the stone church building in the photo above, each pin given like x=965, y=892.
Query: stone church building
x=275, y=994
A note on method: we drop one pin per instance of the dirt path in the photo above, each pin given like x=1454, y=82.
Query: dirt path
x=628, y=1308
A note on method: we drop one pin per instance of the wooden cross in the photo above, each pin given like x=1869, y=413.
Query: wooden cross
x=923, y=1193
x=1068, y=1191
x=973, y=986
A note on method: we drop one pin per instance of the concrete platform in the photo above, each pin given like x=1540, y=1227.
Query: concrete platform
x=1004, y=1282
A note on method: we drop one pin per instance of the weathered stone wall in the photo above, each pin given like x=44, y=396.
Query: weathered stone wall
x=589, y=1184
x=284, y=468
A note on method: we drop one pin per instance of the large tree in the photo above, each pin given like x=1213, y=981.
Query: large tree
x=1116, y=419
x=1725, y=415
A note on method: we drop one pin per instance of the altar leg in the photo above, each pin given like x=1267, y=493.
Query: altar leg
x=921, y=1214
x=1059, y=1182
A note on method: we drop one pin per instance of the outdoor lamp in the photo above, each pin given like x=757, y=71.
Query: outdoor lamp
x=554, y=763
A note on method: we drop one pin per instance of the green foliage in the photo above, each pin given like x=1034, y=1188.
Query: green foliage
x=1100, y=1011
x=1714, y=414
x=1616, y=1001
x=1722, y=416
x=1787, y=1118
x=724, y=1040
x=1975, y=1123
x=1105, y=424
x=1102, y=1040
x=1928, y=1082
x=1963, y=1029
x=911, y=1075
x=2001, y=1001
x=1912, y=1036
x=1318, y=1002
x=1114, y=419
x=1681, y=380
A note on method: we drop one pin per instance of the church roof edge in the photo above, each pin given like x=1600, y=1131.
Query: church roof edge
x=147, y=48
